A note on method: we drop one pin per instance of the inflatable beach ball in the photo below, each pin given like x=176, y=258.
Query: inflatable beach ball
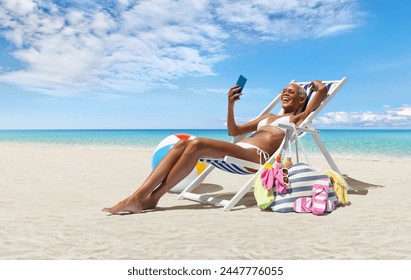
x=162, y=149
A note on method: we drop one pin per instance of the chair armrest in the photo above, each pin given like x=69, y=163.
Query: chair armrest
x=241, y=162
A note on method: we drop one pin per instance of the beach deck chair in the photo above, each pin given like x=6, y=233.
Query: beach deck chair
x=238, y=166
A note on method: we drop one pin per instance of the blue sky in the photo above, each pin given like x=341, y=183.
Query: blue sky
x=169, y=64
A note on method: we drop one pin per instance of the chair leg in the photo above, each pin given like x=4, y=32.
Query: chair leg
x=326, y=154
x=328, y=157
x=196, y=181
x=240, y=194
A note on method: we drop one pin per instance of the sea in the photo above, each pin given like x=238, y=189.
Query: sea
x=358, y=144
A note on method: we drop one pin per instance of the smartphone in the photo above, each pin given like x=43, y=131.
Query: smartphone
x=241, y=83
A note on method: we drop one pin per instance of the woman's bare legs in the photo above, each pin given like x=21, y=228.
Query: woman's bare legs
x=153, y=180
x=178, y=163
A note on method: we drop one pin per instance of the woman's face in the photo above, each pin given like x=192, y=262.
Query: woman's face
x=291, y=99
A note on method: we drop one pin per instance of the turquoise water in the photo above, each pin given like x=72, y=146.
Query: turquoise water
x=130, y=138
x=369, y=144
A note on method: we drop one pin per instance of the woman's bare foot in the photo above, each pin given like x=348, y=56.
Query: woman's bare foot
x=149, y=203
x=127, y=205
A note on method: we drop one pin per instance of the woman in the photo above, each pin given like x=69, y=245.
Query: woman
x=183, y=157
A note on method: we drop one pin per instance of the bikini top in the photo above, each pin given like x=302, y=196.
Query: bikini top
x=283, y=120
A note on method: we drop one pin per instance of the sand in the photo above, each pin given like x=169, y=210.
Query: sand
x=51, y=196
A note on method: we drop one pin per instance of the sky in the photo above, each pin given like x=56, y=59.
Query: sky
x=163, y=64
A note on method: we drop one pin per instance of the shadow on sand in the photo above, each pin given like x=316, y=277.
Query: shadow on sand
x=247, y=200
x=359, y=187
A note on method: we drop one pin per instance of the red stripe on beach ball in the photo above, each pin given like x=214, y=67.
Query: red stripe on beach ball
x=183, y=136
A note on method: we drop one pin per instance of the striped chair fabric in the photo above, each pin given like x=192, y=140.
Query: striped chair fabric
x=225, y=166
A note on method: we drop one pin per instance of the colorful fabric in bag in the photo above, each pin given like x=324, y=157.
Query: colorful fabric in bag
x=268, y=177
x=302, y=177
x=263, y=196
x=263, y=193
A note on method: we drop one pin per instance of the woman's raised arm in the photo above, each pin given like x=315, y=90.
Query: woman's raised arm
x=321, y=92
x=233, y=128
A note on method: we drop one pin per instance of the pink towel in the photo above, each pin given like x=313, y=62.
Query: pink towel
x=268, y=178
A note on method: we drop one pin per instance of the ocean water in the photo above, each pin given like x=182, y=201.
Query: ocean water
x=367, y=144
x=363, y=144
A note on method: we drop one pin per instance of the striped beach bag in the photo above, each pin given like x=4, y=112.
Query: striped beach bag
x=302, y=177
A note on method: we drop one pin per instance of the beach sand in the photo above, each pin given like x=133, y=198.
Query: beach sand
x=51, y=199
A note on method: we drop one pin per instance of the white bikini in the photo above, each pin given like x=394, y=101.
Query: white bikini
x=263, y=154
x=281, y=120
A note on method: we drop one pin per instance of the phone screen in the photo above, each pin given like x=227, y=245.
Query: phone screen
x=241, y=83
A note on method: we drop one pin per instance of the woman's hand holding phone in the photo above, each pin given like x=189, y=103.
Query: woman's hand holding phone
x=234, y=94
x=236, y=91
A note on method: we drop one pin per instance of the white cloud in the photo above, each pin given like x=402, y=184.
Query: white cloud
x=138, y=45
x=391, y=118
x=288, y=19
x=336, y=29
x=403, y=111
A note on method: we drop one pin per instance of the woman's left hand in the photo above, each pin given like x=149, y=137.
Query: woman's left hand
x=317, y=85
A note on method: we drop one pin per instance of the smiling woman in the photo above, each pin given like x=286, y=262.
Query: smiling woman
x=263, y=142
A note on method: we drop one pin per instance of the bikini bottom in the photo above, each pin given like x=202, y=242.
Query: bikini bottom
x=263, y=154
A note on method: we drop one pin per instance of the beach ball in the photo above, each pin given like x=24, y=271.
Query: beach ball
x=164, y=147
